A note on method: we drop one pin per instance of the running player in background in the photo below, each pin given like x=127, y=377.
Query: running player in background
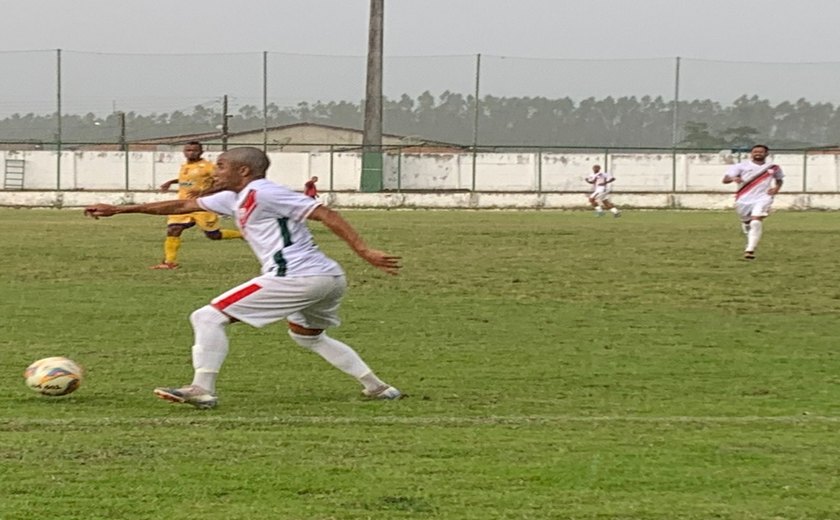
x=758, y=181
x=299, y=283
x=600, y=197
x=310, y=189
x=195, y=176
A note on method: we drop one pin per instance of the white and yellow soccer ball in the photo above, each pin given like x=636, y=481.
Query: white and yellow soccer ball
x=54, y=376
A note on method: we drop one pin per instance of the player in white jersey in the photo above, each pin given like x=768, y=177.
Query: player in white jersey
x=600, y=197
x=758, y=181
x=299, y=283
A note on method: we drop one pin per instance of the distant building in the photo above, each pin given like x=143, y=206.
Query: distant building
x=296, y=137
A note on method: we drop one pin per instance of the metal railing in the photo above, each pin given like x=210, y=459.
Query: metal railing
x=86, y=91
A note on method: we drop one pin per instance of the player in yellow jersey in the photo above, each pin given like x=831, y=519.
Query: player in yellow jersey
x=196, y=175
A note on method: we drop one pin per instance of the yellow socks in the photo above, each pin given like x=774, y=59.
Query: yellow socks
x=170, y=249
x=230, y=233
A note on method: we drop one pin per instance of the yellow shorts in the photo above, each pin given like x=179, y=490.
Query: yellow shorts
x=206, y=220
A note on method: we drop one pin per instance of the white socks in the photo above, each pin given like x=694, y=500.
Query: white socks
x=745, y=227
x=211, y=346
x=211, y=349
x=614, y=210
x=754, y=234
x=599, y=209
x=340, y=356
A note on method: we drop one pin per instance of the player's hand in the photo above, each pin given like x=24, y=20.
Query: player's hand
x=165, y=187
x=382, y=260
x=772, y=191
x=100, y=210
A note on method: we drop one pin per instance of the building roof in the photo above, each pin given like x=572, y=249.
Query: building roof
x=206, y=136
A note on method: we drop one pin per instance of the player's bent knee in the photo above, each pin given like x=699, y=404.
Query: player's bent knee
x=208, y=315
x=307, y=342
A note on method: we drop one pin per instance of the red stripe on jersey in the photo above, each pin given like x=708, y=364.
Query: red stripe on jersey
x=235, y=297
x=752, y=184
x=248, y=206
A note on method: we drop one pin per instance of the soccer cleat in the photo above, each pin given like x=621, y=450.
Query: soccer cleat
x=386, y=392
x=749, y=255
x=194, y=395
x=165, y=266
x=599, y=213
x=616, y=214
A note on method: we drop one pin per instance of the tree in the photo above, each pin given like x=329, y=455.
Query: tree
x=697, y=135
x=741, y=137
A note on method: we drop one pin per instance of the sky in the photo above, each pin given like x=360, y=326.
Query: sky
x=317, y=48
x=741, y=30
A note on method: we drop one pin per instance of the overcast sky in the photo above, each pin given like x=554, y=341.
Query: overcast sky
x=651, y=31
x=742, y=30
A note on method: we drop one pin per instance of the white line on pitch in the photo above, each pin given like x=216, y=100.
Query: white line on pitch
x=208, y=419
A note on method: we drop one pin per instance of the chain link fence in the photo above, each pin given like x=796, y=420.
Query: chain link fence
x=472, y=100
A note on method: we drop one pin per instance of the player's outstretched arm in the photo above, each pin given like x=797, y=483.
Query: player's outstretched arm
x=166, y=207
x=336, y=223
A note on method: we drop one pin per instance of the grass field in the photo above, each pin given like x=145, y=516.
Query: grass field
x=558, y=366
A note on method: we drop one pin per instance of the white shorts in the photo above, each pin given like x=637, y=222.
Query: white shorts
x=309, y=301
x=600, y=195
x=754, y=208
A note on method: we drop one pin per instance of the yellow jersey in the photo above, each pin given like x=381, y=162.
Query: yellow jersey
x=194, y=177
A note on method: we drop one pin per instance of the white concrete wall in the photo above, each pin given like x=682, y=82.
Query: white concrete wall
x=443, y=200
x=636, y=173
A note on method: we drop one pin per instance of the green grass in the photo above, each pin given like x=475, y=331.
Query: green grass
x=558, y=366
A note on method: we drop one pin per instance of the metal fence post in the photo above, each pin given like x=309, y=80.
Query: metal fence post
x=477, y=106
x=58, y=120
x=673, y=170
x=539, y=170
x=124, y=148
x=399, y=168
x=675, y=129
x=265, y=101
x=332, y=169
x=804, y=171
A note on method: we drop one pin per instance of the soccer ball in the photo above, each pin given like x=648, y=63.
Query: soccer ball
x=53, y=376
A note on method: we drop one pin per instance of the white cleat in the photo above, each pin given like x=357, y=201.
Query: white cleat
x=193, y=395
x=386, y=392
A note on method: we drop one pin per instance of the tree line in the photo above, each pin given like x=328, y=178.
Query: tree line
x=516, y=121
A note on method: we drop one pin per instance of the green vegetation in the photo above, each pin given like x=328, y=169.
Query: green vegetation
x=513, y=121
x=558, y=366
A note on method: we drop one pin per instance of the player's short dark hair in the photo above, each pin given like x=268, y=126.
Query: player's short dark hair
x=766, y=148
x=195, y=143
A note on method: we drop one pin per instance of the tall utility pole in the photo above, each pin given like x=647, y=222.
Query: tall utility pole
x=372, y=140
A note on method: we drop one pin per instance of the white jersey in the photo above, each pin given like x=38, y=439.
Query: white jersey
x=601, y=180
x=756, y=180
x=272, y=219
